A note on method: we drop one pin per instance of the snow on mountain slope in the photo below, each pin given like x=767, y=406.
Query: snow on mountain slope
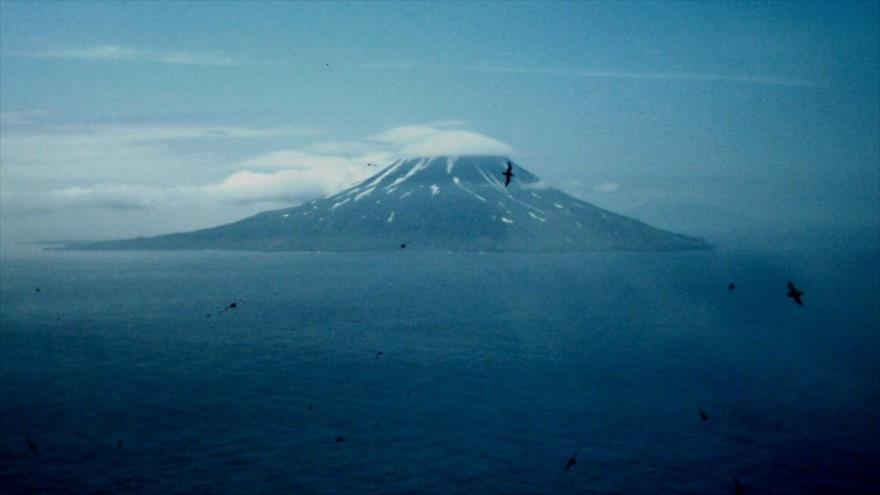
x=442, y=202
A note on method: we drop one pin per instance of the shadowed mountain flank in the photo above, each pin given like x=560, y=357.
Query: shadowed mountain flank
x=431, y=203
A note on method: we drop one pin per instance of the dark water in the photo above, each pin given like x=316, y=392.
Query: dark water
x=496, y=369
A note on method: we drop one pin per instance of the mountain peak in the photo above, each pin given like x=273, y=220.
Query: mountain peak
x=444, y=168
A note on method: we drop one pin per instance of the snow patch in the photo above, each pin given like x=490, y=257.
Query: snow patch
x=536, y=217
x=492, y=181
x=391, y=217
x=415, y=169
x=450, y=162
x=506, y=220
x=405, y=194
x=535, y=195
x=558, y=205
x=458, y=183
x=286, y=215
x=434, y=190
x=340, y=203
x=366, y=192
x=384, y=174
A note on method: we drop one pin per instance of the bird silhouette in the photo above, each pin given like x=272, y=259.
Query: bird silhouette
x=795, y=294
x=37, y=290
x=118, y=444
x=311, y=407
x=379, y=354
x=340, y=439
x=32, y=445
x=232, y=305
x=731, y=286
x=738, y=487
x=571, y=462
x=508, y=174
x=703, y=415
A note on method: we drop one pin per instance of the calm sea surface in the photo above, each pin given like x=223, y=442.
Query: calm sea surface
x=496, y=369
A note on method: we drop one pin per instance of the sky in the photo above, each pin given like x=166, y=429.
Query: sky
x=142, y=118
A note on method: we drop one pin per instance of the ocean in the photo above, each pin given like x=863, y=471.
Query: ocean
x=127, y=376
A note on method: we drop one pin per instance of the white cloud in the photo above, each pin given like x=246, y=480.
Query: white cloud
x=133, y=167
x=109, y=196
x=456, y=143
x=428, y=140
x=116, y=153
x=404, y=134
x=101, y=52
x=290, y=186
x=123, y=53
x=243, y=187
x=761, y=79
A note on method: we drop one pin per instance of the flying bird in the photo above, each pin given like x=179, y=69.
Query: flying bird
x=703, y=415
x=232, y=305
x=379, y=354
x=38, y=290
x=738, y=487
x=33, y=446
x=731, y=286
x=795, y=294
x=340, y=439
x=118, y=444
x=571, y=462
x=508, y=174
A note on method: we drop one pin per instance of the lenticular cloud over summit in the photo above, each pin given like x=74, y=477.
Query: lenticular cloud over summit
x=427, y=141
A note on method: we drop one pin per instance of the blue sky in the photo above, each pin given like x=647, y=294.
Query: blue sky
x=137, y=118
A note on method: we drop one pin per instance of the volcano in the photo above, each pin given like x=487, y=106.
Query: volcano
x=450, y=203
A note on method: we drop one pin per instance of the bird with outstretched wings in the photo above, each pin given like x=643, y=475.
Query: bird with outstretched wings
x=795, y=294
x=508, y=174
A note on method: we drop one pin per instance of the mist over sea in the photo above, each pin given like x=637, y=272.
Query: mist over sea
x=496, y=368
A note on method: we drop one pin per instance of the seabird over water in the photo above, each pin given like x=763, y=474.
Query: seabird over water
x=795, y=294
